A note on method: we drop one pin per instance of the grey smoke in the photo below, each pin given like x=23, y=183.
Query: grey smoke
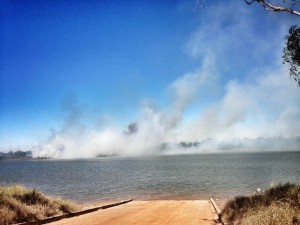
x=261, y=144
x=131, y=129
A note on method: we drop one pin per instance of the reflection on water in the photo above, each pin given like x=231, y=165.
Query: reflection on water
x=154, y=177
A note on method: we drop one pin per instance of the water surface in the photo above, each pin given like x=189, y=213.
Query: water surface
x=154, y=177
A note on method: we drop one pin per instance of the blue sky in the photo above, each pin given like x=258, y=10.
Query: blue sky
x=110, y=58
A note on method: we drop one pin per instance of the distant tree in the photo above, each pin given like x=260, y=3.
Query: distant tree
x=291, y=53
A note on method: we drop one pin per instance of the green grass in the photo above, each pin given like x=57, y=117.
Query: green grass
x=279, y=205
x=19, y=204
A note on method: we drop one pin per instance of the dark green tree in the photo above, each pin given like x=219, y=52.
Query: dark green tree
x=291, y=53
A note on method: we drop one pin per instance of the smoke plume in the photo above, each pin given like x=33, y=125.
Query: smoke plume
x=255, y=109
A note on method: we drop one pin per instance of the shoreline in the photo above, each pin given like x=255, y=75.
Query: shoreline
x=96, y=203
x=112, y=200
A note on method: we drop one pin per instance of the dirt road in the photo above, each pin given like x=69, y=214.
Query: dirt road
x=149, y=212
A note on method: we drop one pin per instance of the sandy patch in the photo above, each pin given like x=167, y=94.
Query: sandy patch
x=149, y=212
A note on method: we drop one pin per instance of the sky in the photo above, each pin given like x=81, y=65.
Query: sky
x=82, y=78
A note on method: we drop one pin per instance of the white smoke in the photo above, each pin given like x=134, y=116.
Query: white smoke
x=152, y=128
x=266, y=108
x=262, y=115
x=259, y=112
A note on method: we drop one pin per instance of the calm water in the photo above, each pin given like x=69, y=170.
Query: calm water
x=154, y=177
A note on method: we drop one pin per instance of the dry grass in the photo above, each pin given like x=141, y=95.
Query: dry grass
x=279, y=205
x=19, y=204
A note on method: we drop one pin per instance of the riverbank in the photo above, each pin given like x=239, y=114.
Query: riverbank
x=279, y=204
x=19, y=204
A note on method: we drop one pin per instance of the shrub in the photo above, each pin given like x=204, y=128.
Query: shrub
x=278, y=205
x=19, y=204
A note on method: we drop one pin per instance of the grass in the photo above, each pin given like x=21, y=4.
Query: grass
x=279, y=205
x=19, y=204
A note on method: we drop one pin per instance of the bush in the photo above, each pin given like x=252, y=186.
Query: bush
x=19, y=204
x=278, y=205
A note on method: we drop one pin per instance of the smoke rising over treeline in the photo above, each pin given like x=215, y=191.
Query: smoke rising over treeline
x=249, y=117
